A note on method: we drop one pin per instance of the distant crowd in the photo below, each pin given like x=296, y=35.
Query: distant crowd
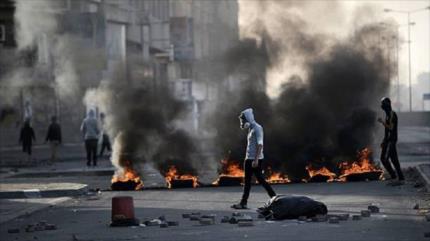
x=92, y=129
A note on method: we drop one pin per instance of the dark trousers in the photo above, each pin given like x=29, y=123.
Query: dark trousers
x=91, y=148
x=258, y=172
x=389, y=151
x=105, y=144
x=26, y=148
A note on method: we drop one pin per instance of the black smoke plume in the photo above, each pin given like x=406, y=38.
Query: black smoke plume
x=322, y=118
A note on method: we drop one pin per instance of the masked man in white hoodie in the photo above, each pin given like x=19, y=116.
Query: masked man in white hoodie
x=254, y=157
x=90, y=130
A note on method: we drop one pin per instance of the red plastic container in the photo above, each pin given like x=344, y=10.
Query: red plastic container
x=123, y=212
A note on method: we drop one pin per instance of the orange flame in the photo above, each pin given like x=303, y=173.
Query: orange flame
x=363, y=165
x=322, y=171
x=230, y=170
x=172, y=174
x=277, y=177
x=128, y=174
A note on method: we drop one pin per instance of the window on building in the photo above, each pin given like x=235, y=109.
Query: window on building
x=2, y=33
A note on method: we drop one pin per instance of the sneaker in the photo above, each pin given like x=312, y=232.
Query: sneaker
x=239, y=206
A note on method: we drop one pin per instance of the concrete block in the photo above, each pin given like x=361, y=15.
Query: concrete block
x=29, y=229
x=206, y=221
x=365, y=213
x=333, y=220
x=211, y=216
x=373, y=209
x=194, y=217
x=50, y=227
x=245, y=223
x=319, y=218
x=343, y=216
x=172, y=223
x=154, y=222
x=13, y=230
x=225, y=219
x=356, y=217
x=233, y=220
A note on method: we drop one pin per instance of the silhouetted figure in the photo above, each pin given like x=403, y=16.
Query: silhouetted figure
x=90, y=130
x=53, y=136
x=254, y=157
x=388, y=145
x=105, y=137
x=26, y=138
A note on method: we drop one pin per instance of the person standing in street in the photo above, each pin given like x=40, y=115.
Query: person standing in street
x=388, y=145
x=254, y=157
x=90, y=131
x=105, y=136
x=53, y=136
x=26, y=138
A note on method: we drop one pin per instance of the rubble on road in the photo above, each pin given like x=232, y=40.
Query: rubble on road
x=356, y=217
x=207, y=221
x=373, y=209
x=365, y=213
x=333, y=220
x=13, y=230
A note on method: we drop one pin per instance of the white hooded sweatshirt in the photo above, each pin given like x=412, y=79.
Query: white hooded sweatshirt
x=255, y=135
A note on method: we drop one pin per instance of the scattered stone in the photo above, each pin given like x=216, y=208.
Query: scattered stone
x=164, y=225
x=194, y=217
x=206, y=221
x=185, y=215
x=319, y=218
x=343, y=216
x=39, y=228
x=154, y=222
x=196, y=214
x=373, y=209
x=245, y=223
x=50, y=227
x=356, y=217
x=302, y=218
x=365, y=213
x=333, y=220
x=236, y=214
x=211, y=216
x=29, y=228
x=172, y=223
x=417, y=206
x=233, y=220
x=225, y=219
x=13, y=230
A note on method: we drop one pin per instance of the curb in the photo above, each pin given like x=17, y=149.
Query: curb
x=423, y=176
x=37, y=193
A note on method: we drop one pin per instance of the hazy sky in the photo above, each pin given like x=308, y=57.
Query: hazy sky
x=420, y=33
x=342, y=21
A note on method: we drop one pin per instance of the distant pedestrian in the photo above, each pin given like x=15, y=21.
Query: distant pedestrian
x=388, y=145
x=254, y=157
x=90, y=131
x=105, y=137
x=53, y=136
x=26, y=138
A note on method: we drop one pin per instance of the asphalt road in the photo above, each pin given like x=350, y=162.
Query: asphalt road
x=88, y=219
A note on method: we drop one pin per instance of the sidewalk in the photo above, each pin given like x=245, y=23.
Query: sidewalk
x=424, y=172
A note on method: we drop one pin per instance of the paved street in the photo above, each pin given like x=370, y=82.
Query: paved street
x=88, y=219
